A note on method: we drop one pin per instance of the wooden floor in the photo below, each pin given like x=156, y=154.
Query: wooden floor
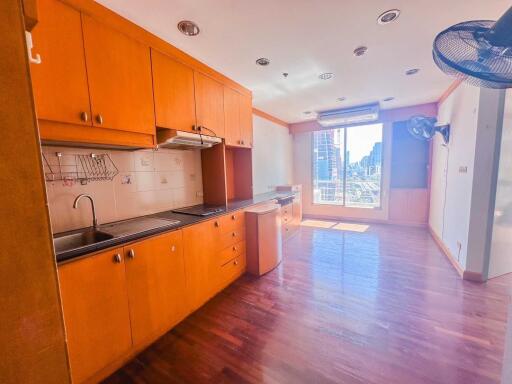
x=381, y=305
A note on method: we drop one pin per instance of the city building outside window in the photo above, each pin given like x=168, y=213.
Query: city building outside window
x=347, y=165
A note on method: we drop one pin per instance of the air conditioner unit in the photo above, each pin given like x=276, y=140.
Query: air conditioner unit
x=347, y=116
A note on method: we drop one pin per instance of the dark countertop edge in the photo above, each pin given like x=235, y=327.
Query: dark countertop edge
x=185, y=221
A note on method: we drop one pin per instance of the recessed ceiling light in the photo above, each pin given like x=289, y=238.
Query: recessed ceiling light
x=341, y=98
x=389, y=99
x=188, y=28
x=326, y=76
x=263, y=61
x=360, y=51
x=388, y=16
x=413, y=71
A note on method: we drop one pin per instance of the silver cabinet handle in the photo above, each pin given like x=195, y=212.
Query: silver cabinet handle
x=217, y=224
x=235, y=262
x=234, y=248
x=131, y=254
x=233, y=217
x=84, y=116
x=99, y=119
x=233, y=234
x=173, y=248
x=118, y=258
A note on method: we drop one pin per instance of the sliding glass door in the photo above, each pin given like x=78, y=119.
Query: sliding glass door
x=347, y=165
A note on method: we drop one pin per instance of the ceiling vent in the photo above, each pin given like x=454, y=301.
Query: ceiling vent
x=263, y=61
x=388, y=16
x=349, y=116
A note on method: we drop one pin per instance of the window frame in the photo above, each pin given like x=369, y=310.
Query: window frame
x=381, y=184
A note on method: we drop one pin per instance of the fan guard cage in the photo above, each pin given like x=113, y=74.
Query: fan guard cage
x=463, y=51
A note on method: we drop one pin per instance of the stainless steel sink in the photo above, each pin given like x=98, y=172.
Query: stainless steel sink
x=79, y=240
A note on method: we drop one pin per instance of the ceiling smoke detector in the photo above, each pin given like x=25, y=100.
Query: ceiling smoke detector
x=326, y=76
x=413, y=71
x=388, y=16
x=360, y=51
x=263, y=61
x=307, y=112
x=389, y=99
x=188, y=28
x=341, y=98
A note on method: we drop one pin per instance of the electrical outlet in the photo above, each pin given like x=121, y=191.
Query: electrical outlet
x=463, y=169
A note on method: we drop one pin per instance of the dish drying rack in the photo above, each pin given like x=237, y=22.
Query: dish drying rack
x=82, y=168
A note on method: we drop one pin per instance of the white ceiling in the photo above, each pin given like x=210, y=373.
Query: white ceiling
x=306, y=38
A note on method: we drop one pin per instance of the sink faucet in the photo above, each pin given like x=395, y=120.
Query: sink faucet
x=94, y=219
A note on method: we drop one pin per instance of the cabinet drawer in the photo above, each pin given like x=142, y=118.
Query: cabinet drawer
x=231, y=270
x=232, y=221
x=230, y=238
x=231, y=252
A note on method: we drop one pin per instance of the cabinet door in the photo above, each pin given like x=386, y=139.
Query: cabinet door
x=96, y=315
x=60, y=81
x=232, y=116
x=209, y=105
x=120, y=83
x=246, y=120
x=173, y=87
x=200, y=248
x=155, y=274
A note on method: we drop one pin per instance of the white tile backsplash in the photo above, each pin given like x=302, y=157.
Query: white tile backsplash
x=148, y=182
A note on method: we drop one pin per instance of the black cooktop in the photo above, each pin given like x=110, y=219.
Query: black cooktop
x=200, y=210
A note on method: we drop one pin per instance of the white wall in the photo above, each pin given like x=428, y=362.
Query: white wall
x=501, y=256
x=450, y=198
x=464, y=175
x=271, y=155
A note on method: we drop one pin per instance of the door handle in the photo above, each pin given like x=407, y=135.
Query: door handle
x=99, y=119
x=131, y=254
x=118, y=258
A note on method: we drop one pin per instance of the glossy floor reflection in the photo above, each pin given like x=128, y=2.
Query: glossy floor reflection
x=381, y=305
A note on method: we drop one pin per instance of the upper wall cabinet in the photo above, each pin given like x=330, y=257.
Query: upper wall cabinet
x=173, y=87
x=246, y=120
x=209, y=105
x=60, y=81
x=232, y=116
x=120, y=83
x=238, y=118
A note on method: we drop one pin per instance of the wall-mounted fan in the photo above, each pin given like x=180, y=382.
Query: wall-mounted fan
x=478, y=52
x=424, y=128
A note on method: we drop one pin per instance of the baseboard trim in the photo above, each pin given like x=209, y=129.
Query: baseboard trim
x=473, y=276
x=446, y=252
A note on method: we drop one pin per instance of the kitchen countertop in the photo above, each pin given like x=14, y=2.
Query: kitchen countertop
x=184, y=221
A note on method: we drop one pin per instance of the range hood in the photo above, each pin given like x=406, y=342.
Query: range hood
x=170, y=138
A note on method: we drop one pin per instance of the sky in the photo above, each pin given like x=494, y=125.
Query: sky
x=360, y=140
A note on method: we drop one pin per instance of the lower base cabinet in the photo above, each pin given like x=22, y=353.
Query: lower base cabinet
x=155, y=275
x=118, y=301
x=96, y=312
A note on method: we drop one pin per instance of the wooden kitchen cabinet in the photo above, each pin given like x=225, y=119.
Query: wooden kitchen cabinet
x=120, y=82
x=155, y=274
x=246, y=120
x=232, y=117
x=96, y=313
x=238, y=118
x=209, y=105
x=60, y=81
x=200, y=245
x=173, y=87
